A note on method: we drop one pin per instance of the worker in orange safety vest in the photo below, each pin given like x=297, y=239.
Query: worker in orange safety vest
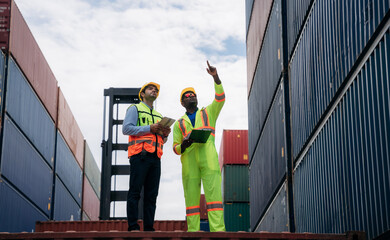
x=146, y=139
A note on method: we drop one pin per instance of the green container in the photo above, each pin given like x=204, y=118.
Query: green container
x=91, y=169
x=235, y=183
x=236, y=217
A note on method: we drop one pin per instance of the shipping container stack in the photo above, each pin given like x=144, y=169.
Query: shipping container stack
x=42, y=147
x=319, y=115
x=233, y=160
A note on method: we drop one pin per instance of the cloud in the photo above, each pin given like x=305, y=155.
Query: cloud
x=94, y=45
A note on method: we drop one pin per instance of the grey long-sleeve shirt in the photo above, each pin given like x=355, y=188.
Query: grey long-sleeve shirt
x=130, y=123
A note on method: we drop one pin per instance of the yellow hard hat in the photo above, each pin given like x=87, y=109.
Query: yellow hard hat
x=147, y=84
x=189, y=89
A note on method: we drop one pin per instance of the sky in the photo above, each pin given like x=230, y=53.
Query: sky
x=92, y=45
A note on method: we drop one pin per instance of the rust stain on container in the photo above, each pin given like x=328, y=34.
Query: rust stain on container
x=256, y=31
x=234, y=147
x=91, y=202
x=33, y=64
x=70, y=129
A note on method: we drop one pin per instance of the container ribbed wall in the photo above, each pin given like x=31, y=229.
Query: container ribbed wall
x=65, y=207
x=17, y=213
x=70, y=130
x=255, y=35
x=68, y=170
x=331, y=41
x=25, y=108
x=236, y=216
x=29, y=57
x=235, y=183
x=343, y=182
x=91, y=170
x=296, y=16
x=91, y=202
x=276, y=217
x=268, y=165
x=2, y=81
x=266, y=78
x=25, y=168
x=248, y=12
x=234, y=147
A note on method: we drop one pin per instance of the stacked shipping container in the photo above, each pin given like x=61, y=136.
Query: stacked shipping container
x=233, y=160
x=42, y=147
x=320, y=163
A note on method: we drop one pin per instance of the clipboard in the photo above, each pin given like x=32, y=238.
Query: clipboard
x=200, y=135
x=166, y=122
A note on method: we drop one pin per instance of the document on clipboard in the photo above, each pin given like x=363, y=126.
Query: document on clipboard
x=166, y=122
x=200, y=135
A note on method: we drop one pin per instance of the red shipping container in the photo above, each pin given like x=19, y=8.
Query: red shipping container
x=234, y=147
x=33, y=64
x=4, y=23
x=258, y=23
x=91, y=203
x=70, y=129
x=106, y=225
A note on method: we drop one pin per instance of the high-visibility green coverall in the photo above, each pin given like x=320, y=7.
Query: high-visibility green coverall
x=200, y=161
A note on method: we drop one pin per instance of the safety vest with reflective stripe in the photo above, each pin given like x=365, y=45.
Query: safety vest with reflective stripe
x=148, y=142
x=205, y=119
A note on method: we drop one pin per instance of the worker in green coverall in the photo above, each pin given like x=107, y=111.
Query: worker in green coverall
x=200, y=160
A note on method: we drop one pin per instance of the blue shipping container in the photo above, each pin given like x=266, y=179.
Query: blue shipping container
x=276, y=217
x=23, y=166
x=68, y=169
x=65, y=207
x=17, y=213
x=26, y=110
x=297, y=11
x=2, y=81
x=334, y=36
x=343, y=182
x=248, y=13
x=267, y=77
x=268, y=166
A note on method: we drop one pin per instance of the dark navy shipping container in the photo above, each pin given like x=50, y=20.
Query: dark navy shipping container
x=266, y=78
x=235, y=183
x=332, y=39
x=276, y=217
x=65, y=207
x=68, y=169
x=297, y=11
x=268, y=166
x=342, y=182
x=25, y=168
x=17, y=213
x=26, y=110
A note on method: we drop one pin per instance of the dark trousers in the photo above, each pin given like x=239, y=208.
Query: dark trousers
x=145, y=170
